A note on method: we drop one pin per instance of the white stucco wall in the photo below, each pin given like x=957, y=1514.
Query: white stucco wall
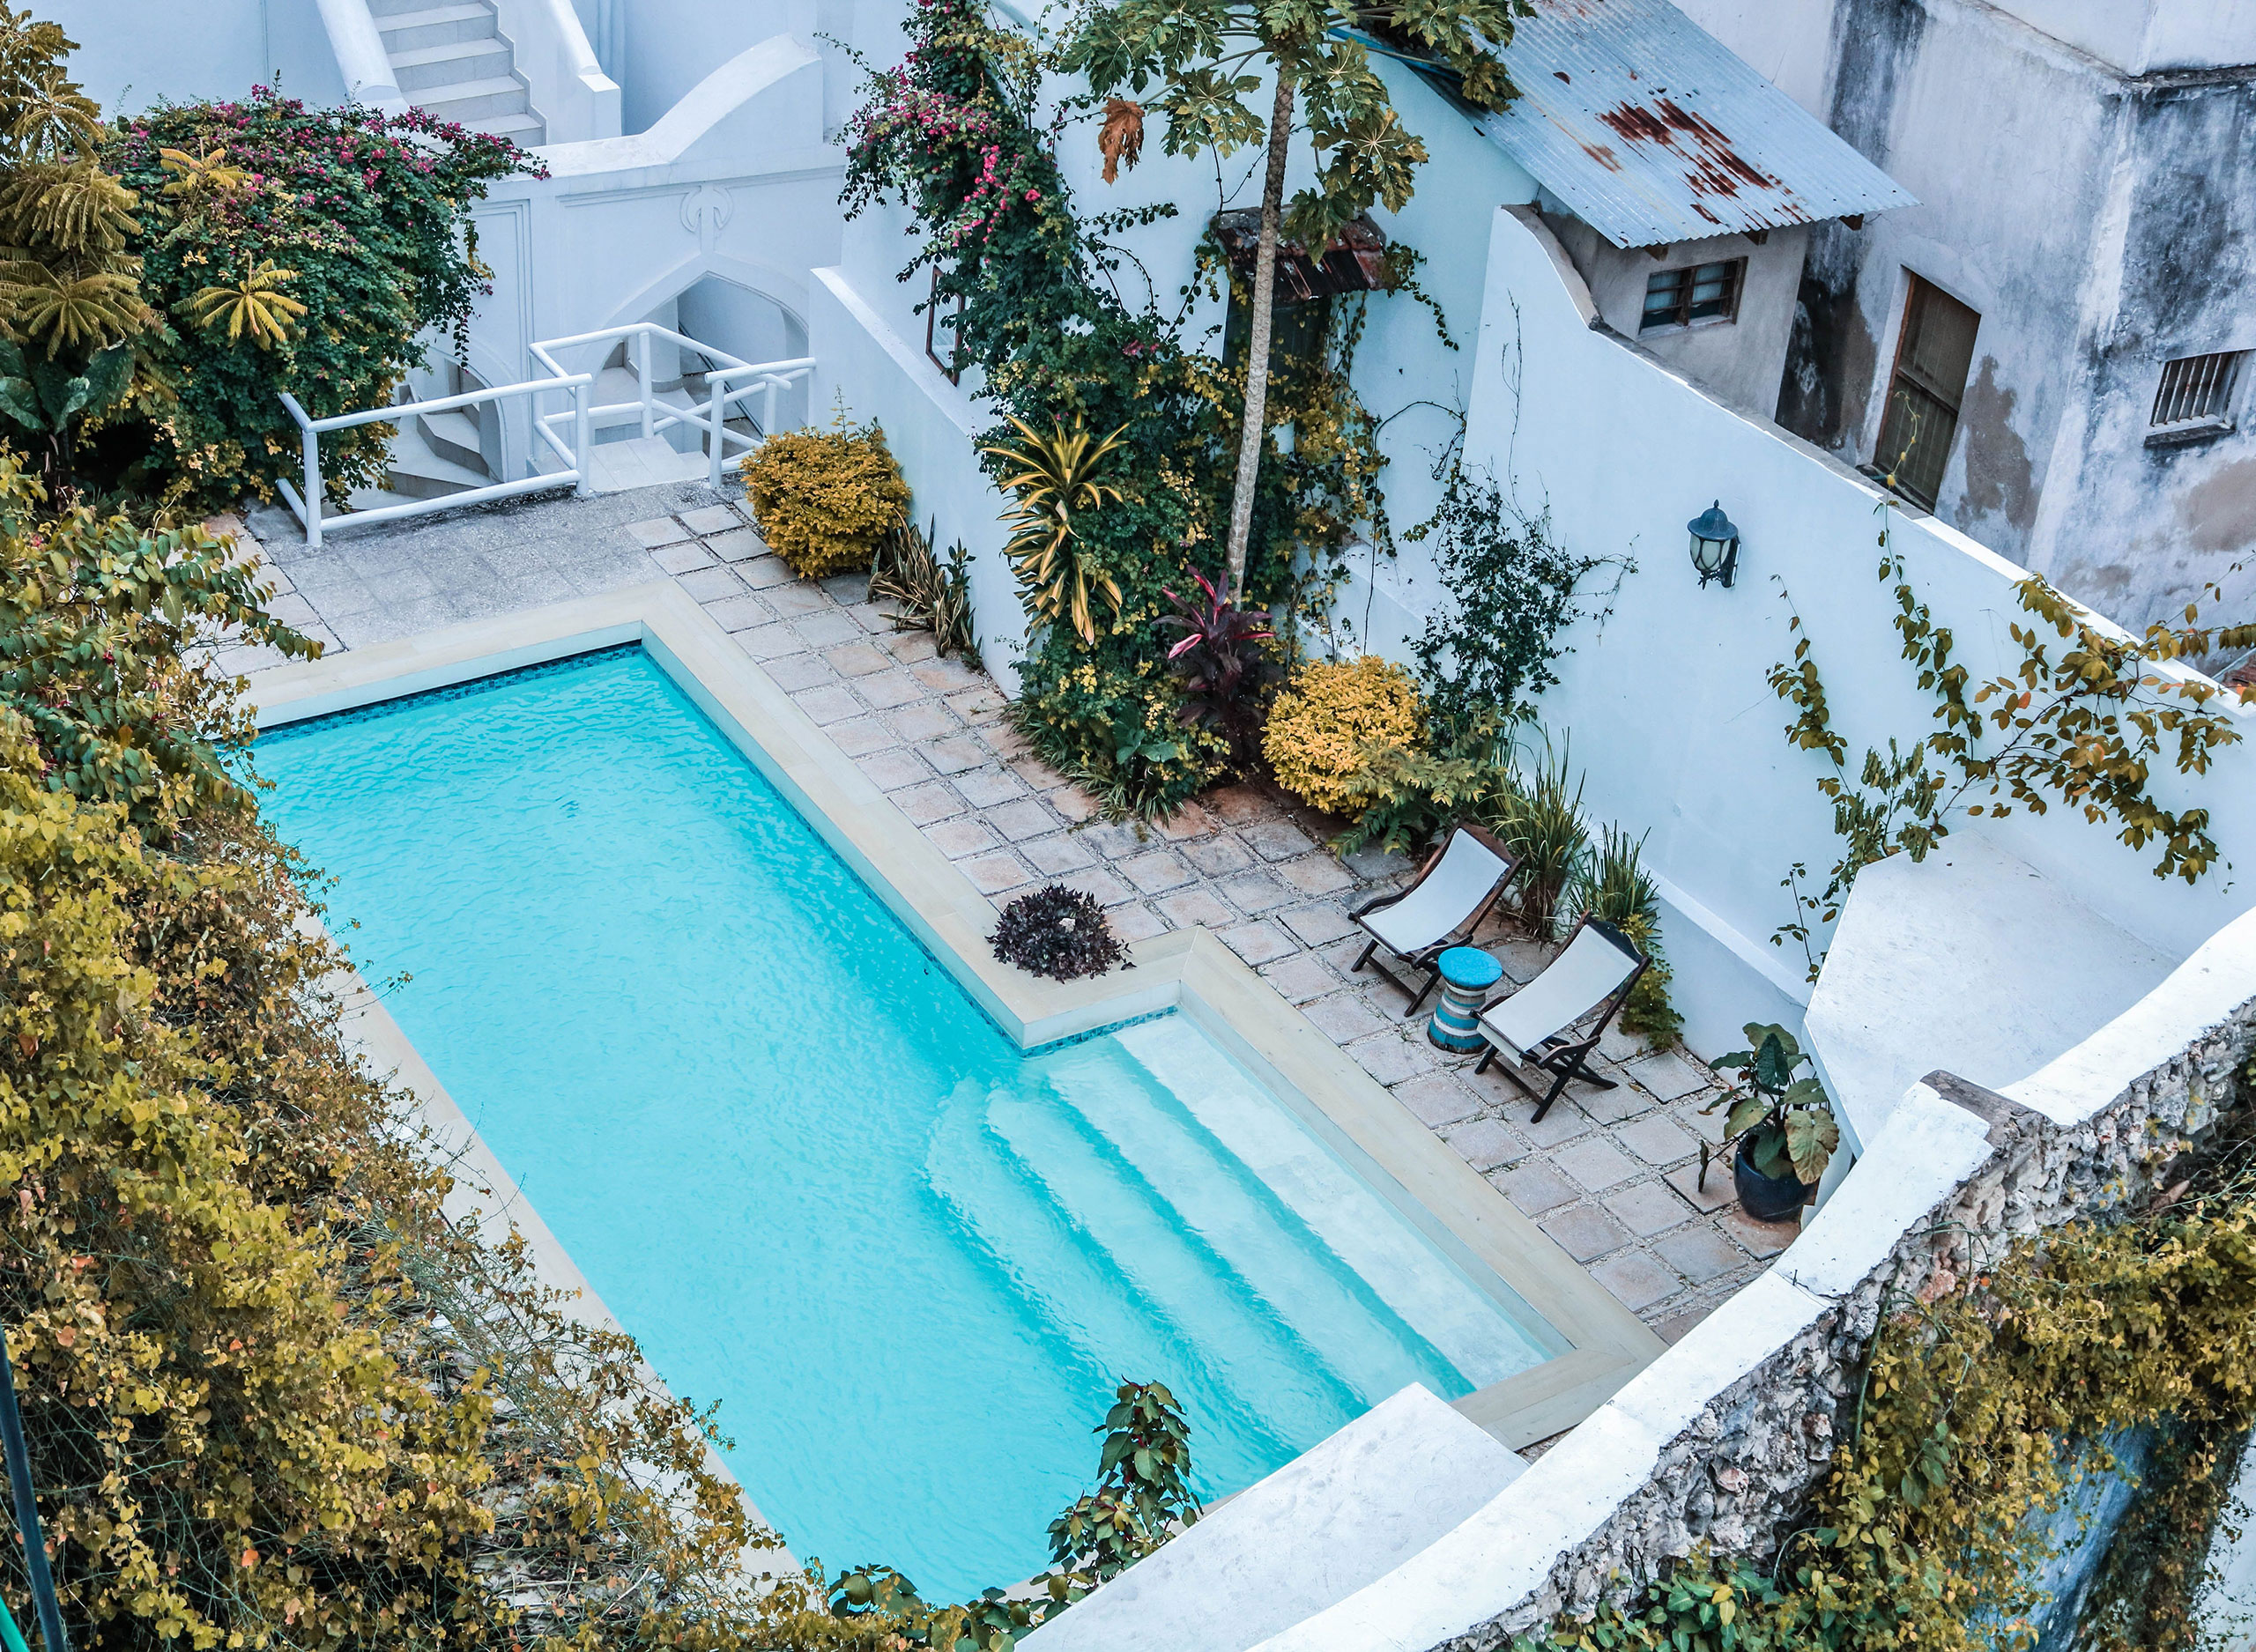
x=132, y=52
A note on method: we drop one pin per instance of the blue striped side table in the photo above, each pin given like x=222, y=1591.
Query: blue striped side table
x=1467, y=974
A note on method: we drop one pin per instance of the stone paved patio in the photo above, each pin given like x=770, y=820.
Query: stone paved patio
x=1611, y=1175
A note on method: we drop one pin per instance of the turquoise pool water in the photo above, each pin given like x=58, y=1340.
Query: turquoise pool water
x=800, y=1165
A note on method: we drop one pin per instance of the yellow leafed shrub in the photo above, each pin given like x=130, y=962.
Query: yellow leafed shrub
x=1328, y=720
x=824, y=498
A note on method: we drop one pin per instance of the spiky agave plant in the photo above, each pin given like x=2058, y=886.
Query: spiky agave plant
x=1059, y=479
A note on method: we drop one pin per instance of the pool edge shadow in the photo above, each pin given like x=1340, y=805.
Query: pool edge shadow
x=1603, y=1343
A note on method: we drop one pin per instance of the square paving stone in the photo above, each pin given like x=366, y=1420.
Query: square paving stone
x=796, y=601
x=1254, y=893
x=739, y=613
x=934, y=800
x=945, y=677
x=797, y=671
x=889, y=689
x=834, y=703
x=824, y=630
x=1343, y=1016
x=711, y=519
x=763, y=571
x=911, y=648
x=1188, y=822
x=1656, y=1140
x=891, y=770
x=1318, y=926
x=1197, y=908
x=1668, y=1075
x=966, y=835
x=859, y=736
x=975, y=705
x=1699, y=1253
x=1484, y=1143
x=1238, y=805
x=1276, y=840
x=952, y=757
x=1637, y=1280
x=1390, y=1058
x=1023, y=818
x=1134, y=923
x=659, y=530
x=1300, y=977
x=1372, y=861
x=1584, y=1233
x=682, y=559
x=709, y=585
x=1257, y=943
x=1052, y=855
x=1071, y=802
x=992, y=874
x=770, y=642
x=1317, y=875
x=1762, y=1238
x=1647, y=1207
x=738, y=545
x=857, y=659
x=984, y=788
x=1156, y=870
x=925, y=721
x=1100, y=884
x=1718, y=1192
x=1534, y=1186
x=1597, y=1163
x=1217, y=855
x=1436, y=1098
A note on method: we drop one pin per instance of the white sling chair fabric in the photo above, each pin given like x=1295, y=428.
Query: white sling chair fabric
x=1585, y=975
x=1451, y=893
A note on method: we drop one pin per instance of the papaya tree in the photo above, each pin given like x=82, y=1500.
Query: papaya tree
x=1205, y=58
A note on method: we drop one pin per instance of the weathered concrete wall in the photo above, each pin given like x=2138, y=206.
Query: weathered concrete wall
x=2085, y=190
x=132, y=52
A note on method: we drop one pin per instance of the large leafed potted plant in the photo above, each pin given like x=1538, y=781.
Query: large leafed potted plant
x=1782, y=1123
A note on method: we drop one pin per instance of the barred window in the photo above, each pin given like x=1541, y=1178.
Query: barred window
x=1696, y=292
x=2196, y=392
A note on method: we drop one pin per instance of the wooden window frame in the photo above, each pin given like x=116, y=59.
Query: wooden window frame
x=1924, y=397
x=1681, y=319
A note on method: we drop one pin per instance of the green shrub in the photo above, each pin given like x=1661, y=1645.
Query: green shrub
x=824, y=498
x=1614, y=885
x=361, y=219
x=1115, y=726
x=1330, y=720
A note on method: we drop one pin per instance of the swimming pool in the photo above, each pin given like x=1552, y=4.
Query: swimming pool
x=804, y=1169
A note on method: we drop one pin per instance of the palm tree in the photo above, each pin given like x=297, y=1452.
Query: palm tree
x=1319, y=52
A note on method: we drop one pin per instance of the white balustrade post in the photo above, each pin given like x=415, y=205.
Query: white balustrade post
x=767, y=407
x=713, y=426
x=580, y=444
x=311, y=439
x=642, y=373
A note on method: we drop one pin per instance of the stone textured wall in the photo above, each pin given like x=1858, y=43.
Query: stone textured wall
x=1737, y=1474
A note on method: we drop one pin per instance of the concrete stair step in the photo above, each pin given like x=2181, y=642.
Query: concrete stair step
x=435, y=25
x=527, y=130
x=452, y=64
x=453, y=437
x=418, y=473
x=383, y=11
x=476, y=99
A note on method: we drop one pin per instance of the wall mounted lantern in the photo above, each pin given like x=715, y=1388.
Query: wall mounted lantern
x=1715, y=544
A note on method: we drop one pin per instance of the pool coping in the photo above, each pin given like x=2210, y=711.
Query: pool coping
x=1187, y=970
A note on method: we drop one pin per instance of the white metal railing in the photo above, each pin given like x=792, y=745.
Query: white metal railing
x=308, y=506
x=733, y=382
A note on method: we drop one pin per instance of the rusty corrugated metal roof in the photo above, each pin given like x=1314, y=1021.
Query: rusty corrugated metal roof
x=1651, y=131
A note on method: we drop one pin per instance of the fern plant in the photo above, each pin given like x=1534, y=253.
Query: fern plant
x=1058, y=478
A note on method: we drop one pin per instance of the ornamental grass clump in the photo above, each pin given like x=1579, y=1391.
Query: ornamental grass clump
x=824, y=498
x=1057, y=932
x=1331, y=718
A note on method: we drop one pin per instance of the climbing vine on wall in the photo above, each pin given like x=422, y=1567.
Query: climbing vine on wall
x=1989, y=1402
x=960, y=134
x=2083, y=719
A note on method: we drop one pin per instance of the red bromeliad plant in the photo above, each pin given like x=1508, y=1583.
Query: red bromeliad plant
x=1224, y=664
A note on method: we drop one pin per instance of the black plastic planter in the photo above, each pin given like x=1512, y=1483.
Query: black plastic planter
x=1768, y=1198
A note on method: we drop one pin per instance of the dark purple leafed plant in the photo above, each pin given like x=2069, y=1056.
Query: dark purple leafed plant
x=1222, y=665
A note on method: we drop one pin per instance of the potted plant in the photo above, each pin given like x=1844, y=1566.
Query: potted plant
x=1783, y=1125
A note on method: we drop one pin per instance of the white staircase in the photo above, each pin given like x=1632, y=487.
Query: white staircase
x=453, y=62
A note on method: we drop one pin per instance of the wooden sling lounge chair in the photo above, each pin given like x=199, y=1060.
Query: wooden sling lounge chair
x=1536, y=1025
x=1442, y=905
